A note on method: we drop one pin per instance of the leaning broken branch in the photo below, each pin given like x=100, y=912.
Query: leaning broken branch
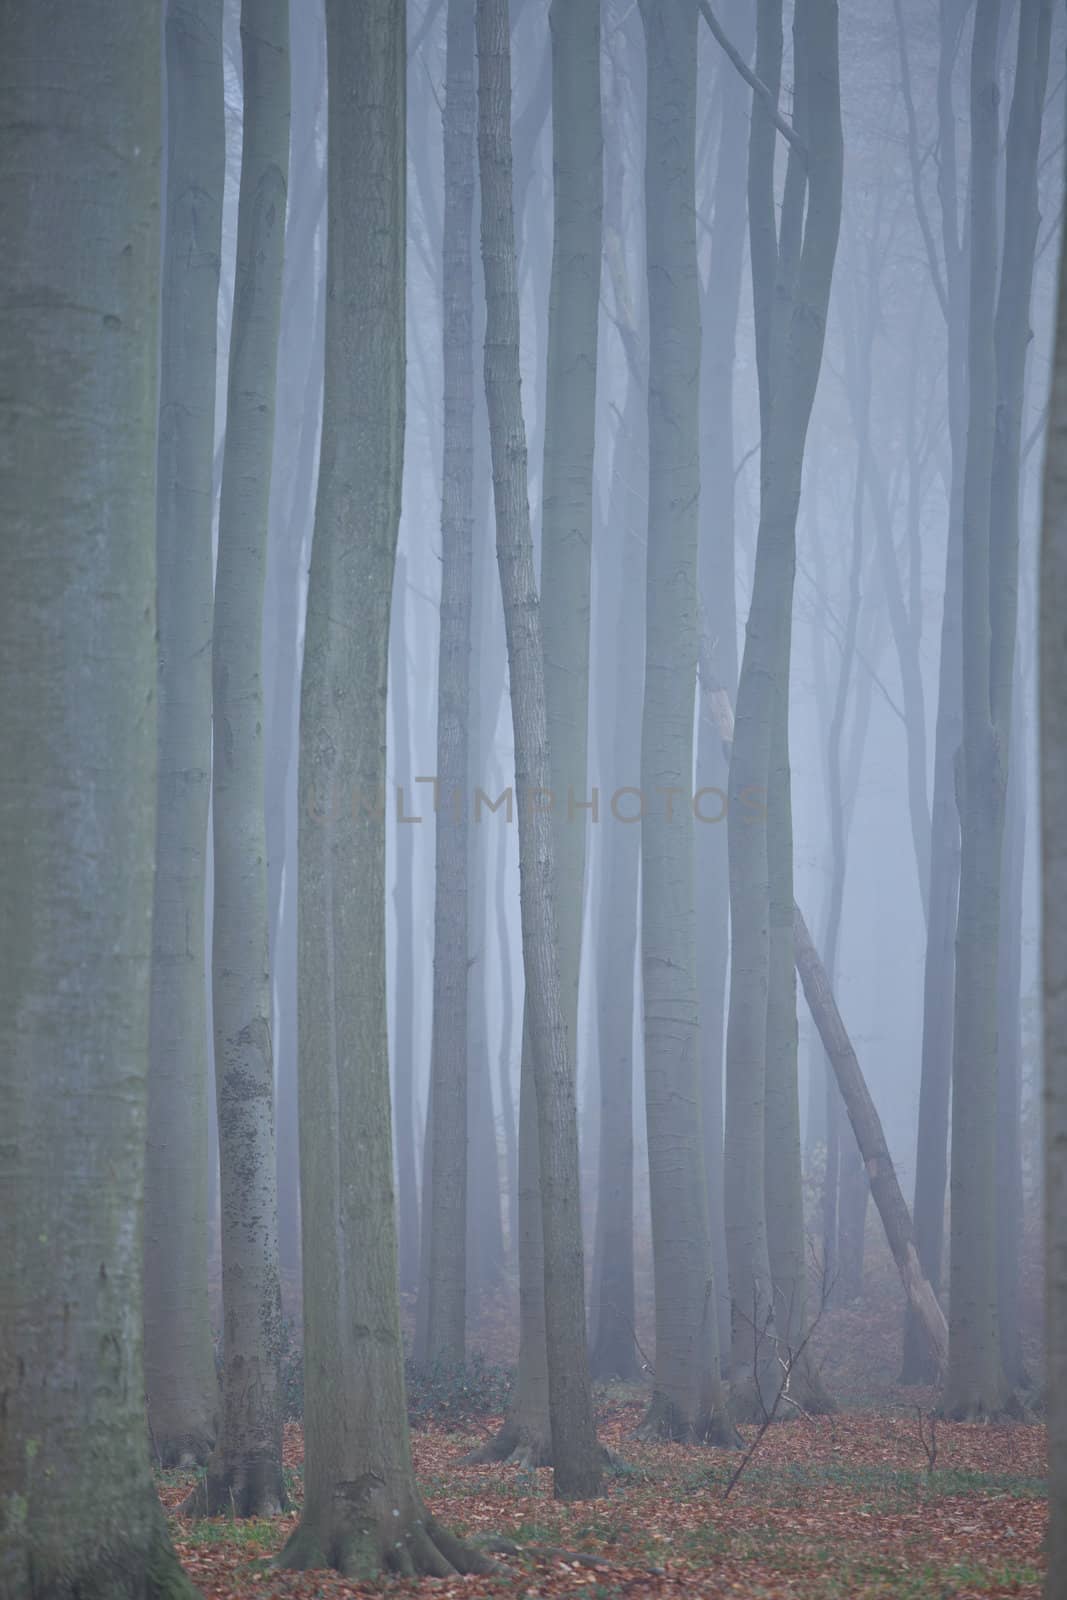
x=758, y=87
x=862, y=1112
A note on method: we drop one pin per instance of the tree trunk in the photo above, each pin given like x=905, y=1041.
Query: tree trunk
x=931, y=1157
x=688, y=1401
x=180, y=1383
x=78, y=380
x=447, y=1279
x=717, y=580
x=362, y=1510
x=996, y=366
x=576, y=1455
x=1053, y=664
x=1009, y=1058
x=244, y=1475
x=791, y=272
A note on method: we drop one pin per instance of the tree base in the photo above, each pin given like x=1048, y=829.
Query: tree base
x=665, y=1421
x=363, y=1537
x=181, y=1452
x=250, y=1488
x=515, y=1445
x=127, y=1568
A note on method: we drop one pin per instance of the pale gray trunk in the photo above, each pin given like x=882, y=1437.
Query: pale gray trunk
x=1053, y=665
x=404, y=1066
x=688, y=1400
x=181, y=1387
x=996, y=368
x=576, y=1455
x=447, y=1276
x=362, y=1510
x=244, y=1475
x=791, y=272
x=717, y=581
x=931, y=1158
x=78, y=381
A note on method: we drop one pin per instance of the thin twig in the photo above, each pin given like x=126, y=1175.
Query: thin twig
x=758, y=87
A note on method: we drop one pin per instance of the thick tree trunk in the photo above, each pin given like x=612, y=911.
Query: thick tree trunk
x=1053, y=663
x=576, y=1454
x=447, y=1278
x=244, y=1475
x=688, y=1400
x=78, y=380
x=362, y=1510
x=181, y=1387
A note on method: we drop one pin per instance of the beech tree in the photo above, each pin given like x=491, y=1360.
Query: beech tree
x=792, y=267
x=446, y=1280
x=575, y=1452
x=78, y=384
x=244, y=1474
x=363, y=1512
x=180, y=1382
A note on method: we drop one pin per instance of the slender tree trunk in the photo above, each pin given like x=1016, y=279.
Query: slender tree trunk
x=792, y=268
x=244, y=1475
x=1053, y=663
x=446, y=1319
x=996, y=368
x=931, y=1158
x=407, y=1208
x=78, y=381
x=1009, y=1059
x=717, y=588
x=362, y=1510
x=576, y=1455
x=180, y=1383
x=688, y=1400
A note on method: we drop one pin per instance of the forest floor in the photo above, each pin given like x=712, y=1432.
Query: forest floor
x=828, y=1507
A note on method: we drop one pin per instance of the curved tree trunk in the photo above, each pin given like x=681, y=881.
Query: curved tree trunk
x=78, y=381
x=576, y=1455
x=181, y=1386
x=244, y=1475
x=688, y=1400
x=447, y=1277
x=362, y=1510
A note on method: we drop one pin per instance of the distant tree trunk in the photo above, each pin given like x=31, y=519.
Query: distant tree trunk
x=717, y=580
x=996, y=368
x=613, y=1352
x=576, y=1454
x=1009, y=1057
x=78, y=389
x=507, y=1047
x=931, y=1158
x=447, y=1279
x=688, y=1400
x=244, y=1475
x=792, y=269
x=362, y=1510
x=1053, y=662
x=181, y=1387
x=407, y=1207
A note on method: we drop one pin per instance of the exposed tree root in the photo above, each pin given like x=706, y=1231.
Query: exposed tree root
x=362, y=1536
x=254, y=1487
x=184, y=1452
x=516, y=1445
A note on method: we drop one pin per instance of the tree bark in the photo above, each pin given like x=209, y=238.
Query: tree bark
x=1053, y=711
x=996, y=365
x=181, y=1386
x=688, y=1400
x=244, y=1475
x=362, y=1510
x=447, y=1281
x=78, y=392
x=576, y=1454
